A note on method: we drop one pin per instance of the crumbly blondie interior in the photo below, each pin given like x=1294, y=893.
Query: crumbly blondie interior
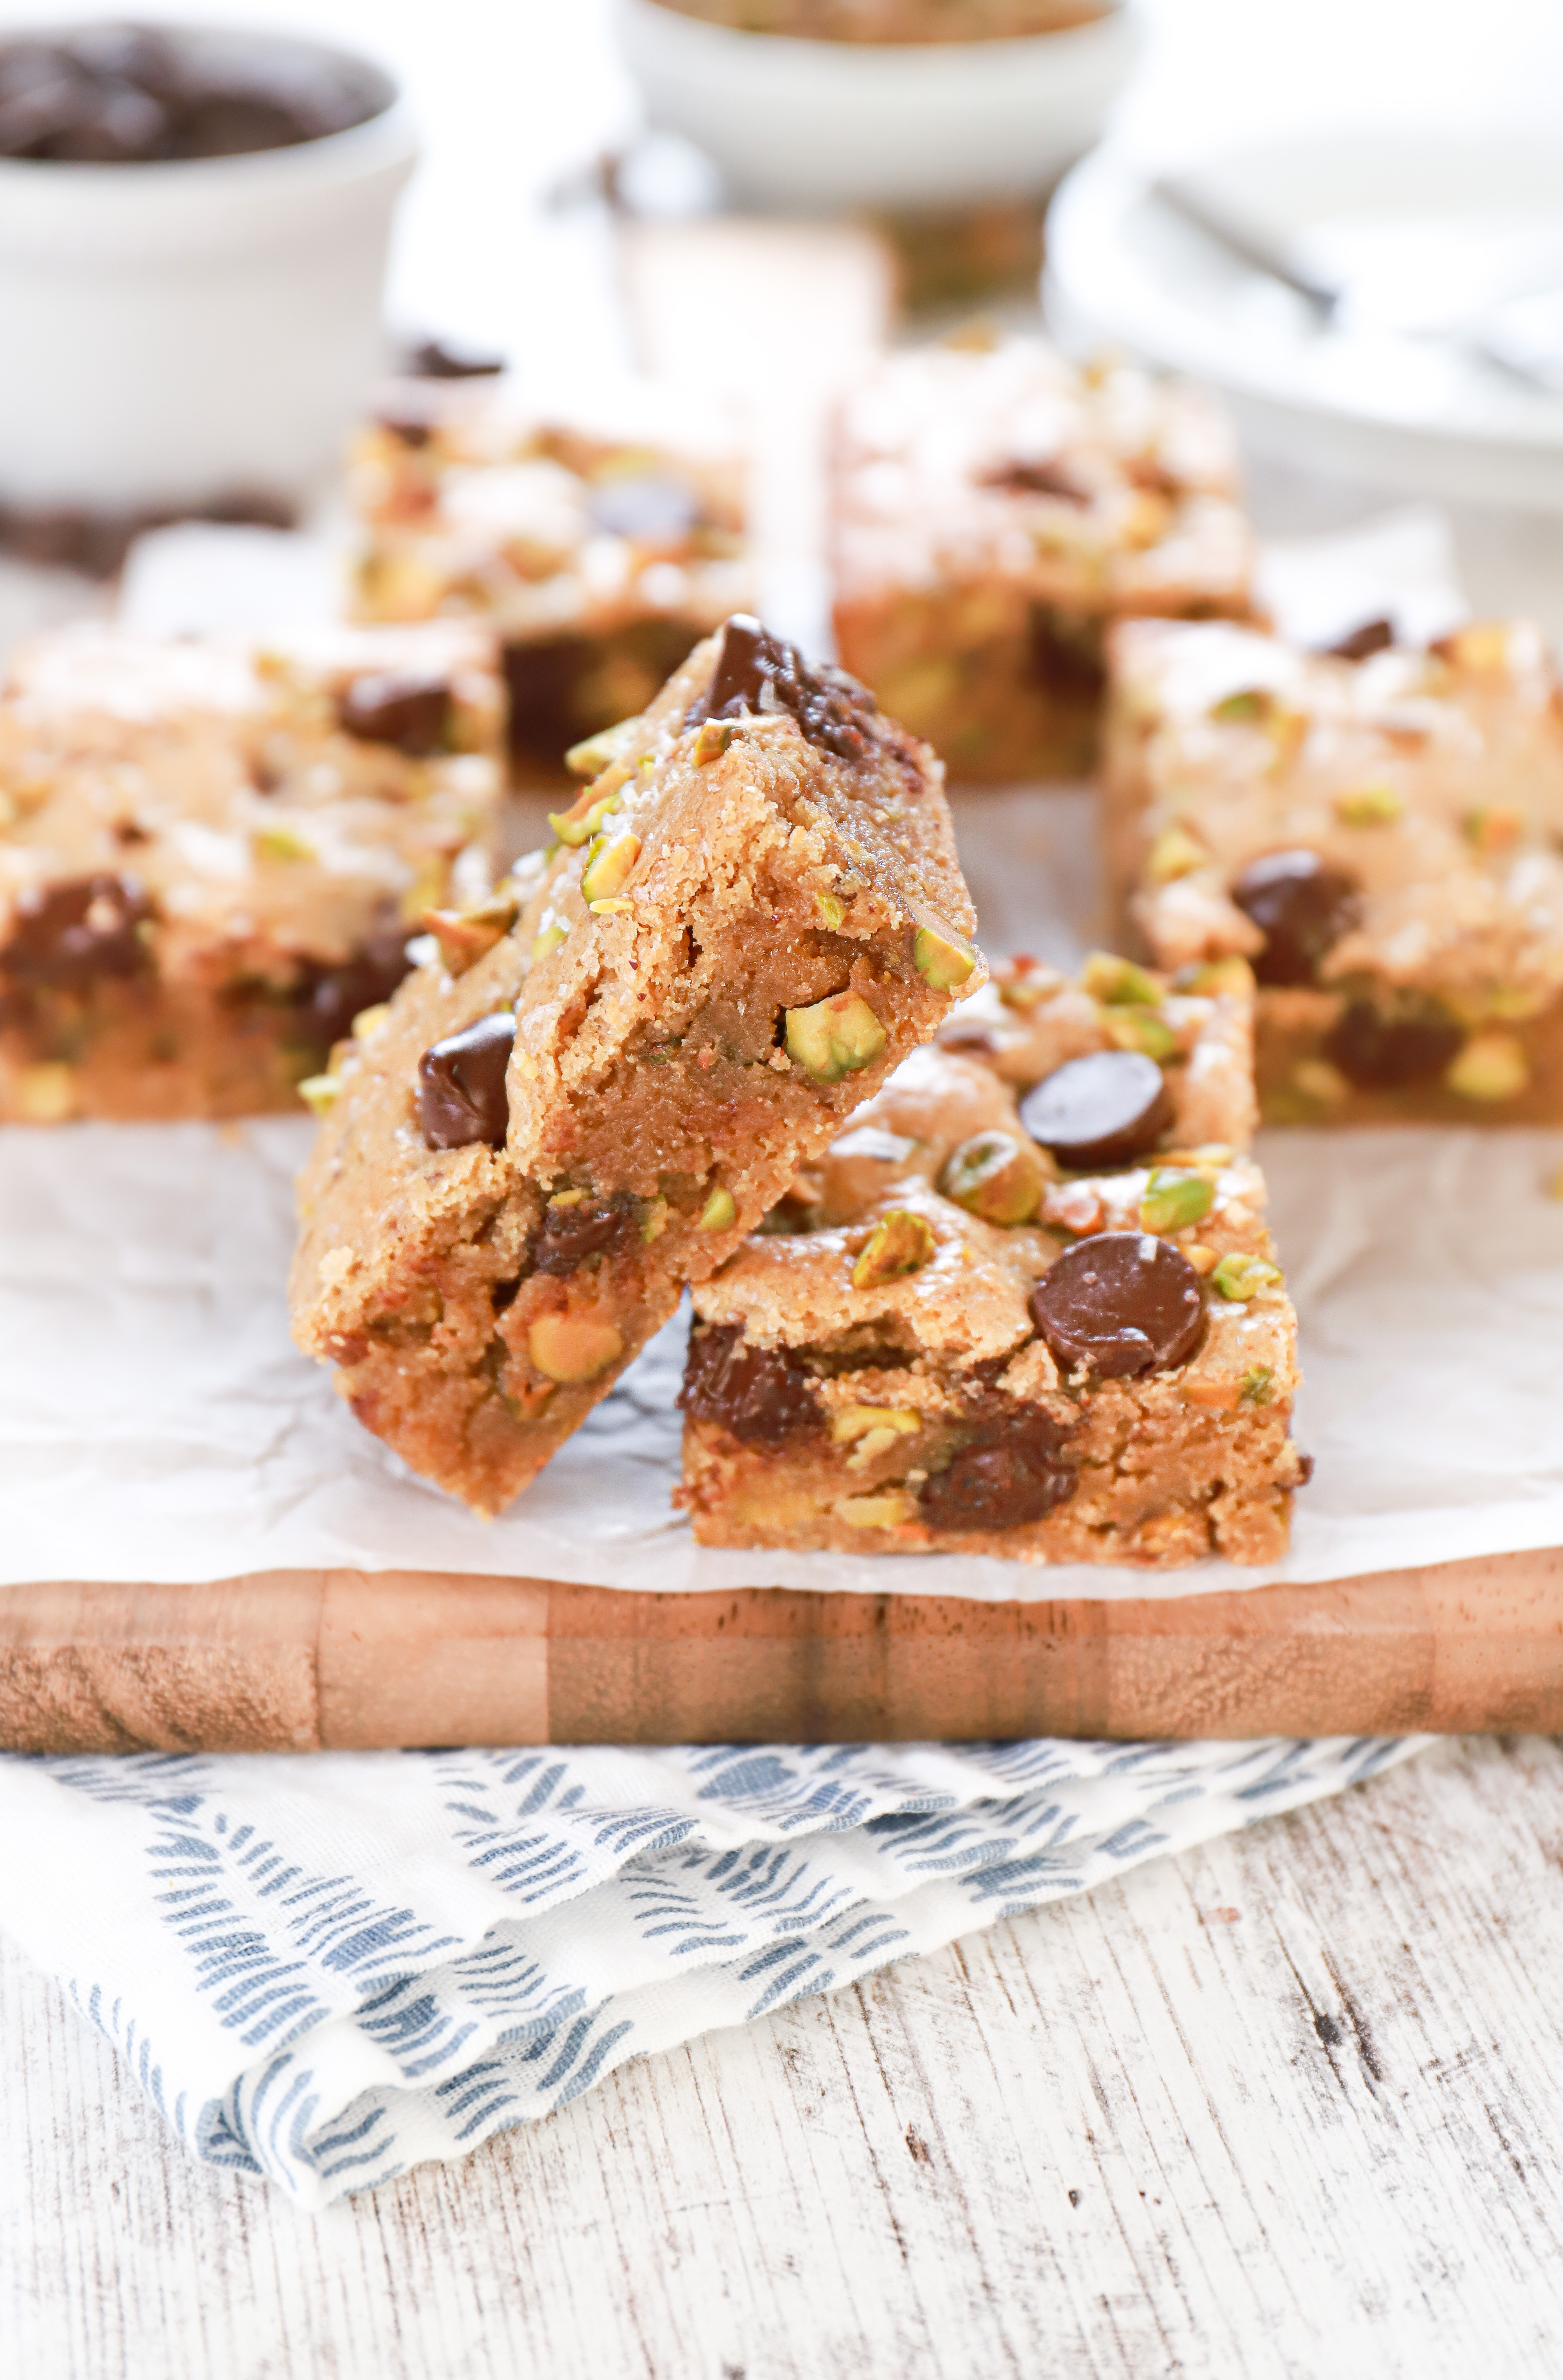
x=600, y=542
x=994, y=511
x=1378, y=833
x=211, y=856
x=613, y=1071
x=954, y=1338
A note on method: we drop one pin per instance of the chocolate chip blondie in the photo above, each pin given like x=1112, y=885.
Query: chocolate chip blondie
x=993, y=512
x=1049, y=1327
x=1377, y=832
x=211, y=856
x=613, y=1071
x=600, y=543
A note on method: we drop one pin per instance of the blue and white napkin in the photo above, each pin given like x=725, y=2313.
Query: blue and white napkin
x=327, y=1968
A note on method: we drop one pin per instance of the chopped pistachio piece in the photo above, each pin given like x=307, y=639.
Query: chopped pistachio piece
x=549, y=940
x=1173, y=853
x=1491, y=1067
x=1210, y=978
x=832, y=911
x=941, y=958
x=995, y=1176
x=370, y=1020
x=599, y=751
x=1202, y=1259
x=280, y=842
x=608, y=866
x=320, y=1093
x=1254, y=1388
x=856, y=1421
x=585, y=816
x=1142, y=1030
x=835, y=1037
x=573, y=1347
x=1317, y=1079
x=887, y=1512
x=1250, y=702
x=1239, y=1278
x=654, y=1222
x=713, y=741
x=898, y=1243
x=1032, y=985
x=1119, y=982
x=719, y=1213
x=1172, y=1199
x=611, y=908
x=467, y=935
x=1370, y=805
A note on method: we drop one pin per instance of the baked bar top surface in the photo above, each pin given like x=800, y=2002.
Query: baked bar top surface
x=1104, y=490
x=748, y=920
x=1433, y=781
x=263, y=801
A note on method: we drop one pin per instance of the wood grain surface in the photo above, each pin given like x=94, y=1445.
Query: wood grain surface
x=301, y=1659
x=1288, y=2106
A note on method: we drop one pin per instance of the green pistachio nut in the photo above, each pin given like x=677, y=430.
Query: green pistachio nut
x=995, y=1176
x=1173, y=1198
x=942, y=959
x=1142, y=1030
x=720, y=1212
x=900, y=1243
x=1239, y=1278
x=1119, y=982
x=1491, y=1067
x=834, y=1036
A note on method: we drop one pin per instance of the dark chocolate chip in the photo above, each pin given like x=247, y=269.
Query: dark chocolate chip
x=1064, y=653
x=570, y=1234
x=759, y=1395
x=1040, y=478
x=332, y=997
x=69, y=935
x=1302, y=904
x=447, y=358
x=412, y=714
x=1010, y=1472
x=1373, y=637
x=1380, y=1051
x=1122, y=1303
x=1103, y=1110
x=758, y=672
x=649, y=506
x=541, y=680
x=461, y=1090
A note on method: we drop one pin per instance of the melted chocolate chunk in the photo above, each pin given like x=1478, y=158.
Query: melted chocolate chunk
x=448, y=360
x=570, y=1234
x=759, y=1395
x=1302, y=906
x=649, y=506
x=332, y=997
x=1010, y=1472
x=128, y=94
x=410, y=713
x=1373, y=637
x=461, y=1092
x=1103, y=1110
x=1122, y=1303
x=1380, y=1052
x=69, y=935
x=755, y=671
x=1064, y=653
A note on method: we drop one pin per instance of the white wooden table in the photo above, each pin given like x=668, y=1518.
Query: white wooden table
x=1289, y=2105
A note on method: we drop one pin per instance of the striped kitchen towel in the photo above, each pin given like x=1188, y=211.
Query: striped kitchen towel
x=326, y=1968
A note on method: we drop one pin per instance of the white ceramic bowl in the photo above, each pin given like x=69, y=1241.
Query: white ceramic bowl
x=177, y=332
x=813, y=126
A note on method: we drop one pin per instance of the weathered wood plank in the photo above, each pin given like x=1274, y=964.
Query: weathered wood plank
x=1290, y=2104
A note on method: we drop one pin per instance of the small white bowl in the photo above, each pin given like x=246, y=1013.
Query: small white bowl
x=808, y=127
x=177, y=331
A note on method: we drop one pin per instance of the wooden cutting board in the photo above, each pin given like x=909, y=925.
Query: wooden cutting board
x=300, y=1660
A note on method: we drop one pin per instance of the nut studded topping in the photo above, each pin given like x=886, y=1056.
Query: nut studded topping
x=1122, y=1303
x=461, y=1093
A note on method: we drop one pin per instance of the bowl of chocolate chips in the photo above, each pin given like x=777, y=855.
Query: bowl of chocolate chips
x=193, y=231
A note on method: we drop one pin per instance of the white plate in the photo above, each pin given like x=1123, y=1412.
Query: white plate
x=1424, y=229
x=813, y=126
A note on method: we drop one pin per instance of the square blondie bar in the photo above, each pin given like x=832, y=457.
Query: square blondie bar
x=754, y=912
x=599, y=541
x=1050, y=1328
x=211, y=856
x=993, y=512
x=1378, y=835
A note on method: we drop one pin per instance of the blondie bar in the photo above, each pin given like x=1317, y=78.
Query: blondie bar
x=599, y=547
x=993, y=512
x=211, y=856
x=754, y=912
x=1051, y=1328
x=1378, y=835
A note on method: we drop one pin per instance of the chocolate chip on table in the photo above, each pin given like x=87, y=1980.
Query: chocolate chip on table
x=1373, y=637
x=1121, y=1303
x=1379, y=1050
x=758, y=672
x=569, y=1235
x=1010, y=1472
x=65, y=936
x=1302, y=904
x=759, y=1395
x=649, y=505
x=412, y=714
x=1103, y=1110
x=461, y=1090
